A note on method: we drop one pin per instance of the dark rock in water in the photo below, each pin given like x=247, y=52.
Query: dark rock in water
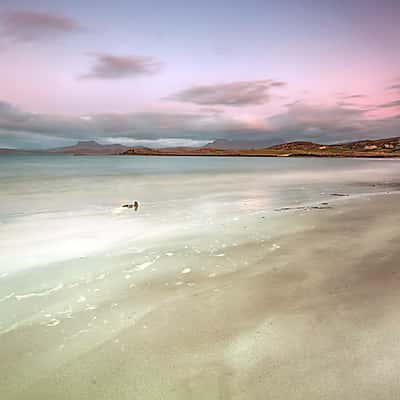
x=134, y=205
x=339, y=194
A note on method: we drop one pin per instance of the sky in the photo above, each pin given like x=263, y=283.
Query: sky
x=171, y=73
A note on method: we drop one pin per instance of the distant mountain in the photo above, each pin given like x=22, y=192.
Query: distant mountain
x=90, y=147
x=389, y=147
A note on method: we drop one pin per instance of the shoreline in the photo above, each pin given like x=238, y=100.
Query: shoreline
x=307, y=313
x=227, y=153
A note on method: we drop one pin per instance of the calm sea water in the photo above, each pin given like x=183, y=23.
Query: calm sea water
x=54, y=208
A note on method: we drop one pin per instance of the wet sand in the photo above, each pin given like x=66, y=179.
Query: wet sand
x=310, y=314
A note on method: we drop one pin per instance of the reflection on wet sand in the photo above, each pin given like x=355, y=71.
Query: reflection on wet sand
x=309, y=313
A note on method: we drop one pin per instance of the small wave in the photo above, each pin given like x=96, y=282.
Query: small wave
x=53, y=322
x=10, y=328
x=142, y=267
x=39, y=294
x=8, y=296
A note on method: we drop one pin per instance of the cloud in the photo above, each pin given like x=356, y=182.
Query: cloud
x=394, y=87
x=109, y=66
x=330, y=124
x=325, y=123
x=135, y=125
x=298, y=121
x=155, y=143
x=28, y=25
x=239, y=93
x=354, y=96
x=395, y=103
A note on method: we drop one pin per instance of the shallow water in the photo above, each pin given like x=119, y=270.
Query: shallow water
x=61, y=207
x=71, y=257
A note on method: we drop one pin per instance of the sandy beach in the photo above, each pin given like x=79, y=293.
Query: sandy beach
x=310, y=314
x=199, y=200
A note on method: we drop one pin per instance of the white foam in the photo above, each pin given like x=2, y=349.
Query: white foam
x=186, y=271
x=54, y=322
x=142, y=267
x=6, y=297
x=10, y=328
x=67, y=312
x=39, y=294
x=80, y=333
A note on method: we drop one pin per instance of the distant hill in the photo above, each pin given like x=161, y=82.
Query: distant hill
x=90, y=147
x=363, y=148
x=224, y=144
x=357, y=146
x=389, y=147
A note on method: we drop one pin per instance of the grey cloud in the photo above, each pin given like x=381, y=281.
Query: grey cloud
x=239, y=93
x=156, y=143
x=302, y=121
x=109, y=66
x=395, y=103
x=28, y=25
x=299, y=121
x=355, y=96
x=331, y=124
x=394, y=87
x=137, y=125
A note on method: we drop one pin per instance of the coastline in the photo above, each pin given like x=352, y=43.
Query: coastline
x=370, y=155
x=308, y=313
